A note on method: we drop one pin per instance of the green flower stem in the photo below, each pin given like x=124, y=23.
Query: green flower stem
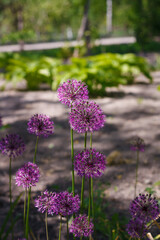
x=46, y=225
x=24, y=215
x=10, y=181
x=92, y=198
x=60, y=227
x=137, y=164
x=83, y=178
x=67, y=229
x=91, y=140
x=72, y=157
x=10, y=192
x=89, y=205
x=27, y=217
x=35, y=153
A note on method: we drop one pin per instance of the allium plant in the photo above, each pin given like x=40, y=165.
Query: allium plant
x=12, y=145
x=66, y=204
x=145, y=207
x=137, y=228
x=41, y=126
x=69, y=92
x=90, y=163
x=72, y=90
x=81, y=226
x=46, y=204
x=86, y=116
x=28, y=175
x=138, y=145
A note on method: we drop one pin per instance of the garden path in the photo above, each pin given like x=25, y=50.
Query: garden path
x=130, y=110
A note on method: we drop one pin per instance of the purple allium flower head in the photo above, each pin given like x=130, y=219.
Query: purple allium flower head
x=72, y=90
x=28, y=175
x=89, y=163
x=136, y=228
x=46, y=202
x=40, y=125
x=66, y=204
x=12, y=145
x=80, y=226
x=145, y=207
x=86, y=116
x=137, y=144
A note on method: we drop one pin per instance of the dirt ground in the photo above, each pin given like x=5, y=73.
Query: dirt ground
x=130, y=110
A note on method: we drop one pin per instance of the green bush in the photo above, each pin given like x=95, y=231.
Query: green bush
x=99, y=71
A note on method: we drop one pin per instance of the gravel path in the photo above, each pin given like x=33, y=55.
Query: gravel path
x=134, y=110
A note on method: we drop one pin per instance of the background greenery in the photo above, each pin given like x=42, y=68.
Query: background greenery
x=53, y=19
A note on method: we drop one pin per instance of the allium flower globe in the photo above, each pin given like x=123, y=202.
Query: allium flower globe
x=89, y=163
x=72, y=90
x=66, y=204
x=28, y=175
x=40, y=125
x=86, y=116
x=137, y=144
x=81, y=227
x=137, y=228
x=144, y=207
x=46, y=202
x=12, y=145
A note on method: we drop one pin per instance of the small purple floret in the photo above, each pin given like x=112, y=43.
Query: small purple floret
x=12, y=145
x=89, y=163
x=66, y=204
x=136, y=228
x=46, y=202
x=145, y=207
x=40, y=125
x=72, y=90
x=137, y=144
x=80, y=226
x=28, y=175
x=86, y=116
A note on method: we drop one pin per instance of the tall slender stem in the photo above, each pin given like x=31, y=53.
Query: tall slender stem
x=91, y=140
x=67, y=229
x=60, y=227
x=72, y=157
x=27, y=217
x=89, y=205
x=46, y=225
x=92, y=198
x=137, y=163
x=24, y=215
x=83, y=178
x=10, y=192
x=35, y=153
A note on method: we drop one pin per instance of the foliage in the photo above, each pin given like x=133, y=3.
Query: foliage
x=113, y=228
x=33, y=71
x=101, y=71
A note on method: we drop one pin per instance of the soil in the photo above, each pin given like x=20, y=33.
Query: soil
x=130, y=111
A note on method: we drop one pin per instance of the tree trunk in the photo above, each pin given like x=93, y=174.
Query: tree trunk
x=84, y=28
x=109, y=16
